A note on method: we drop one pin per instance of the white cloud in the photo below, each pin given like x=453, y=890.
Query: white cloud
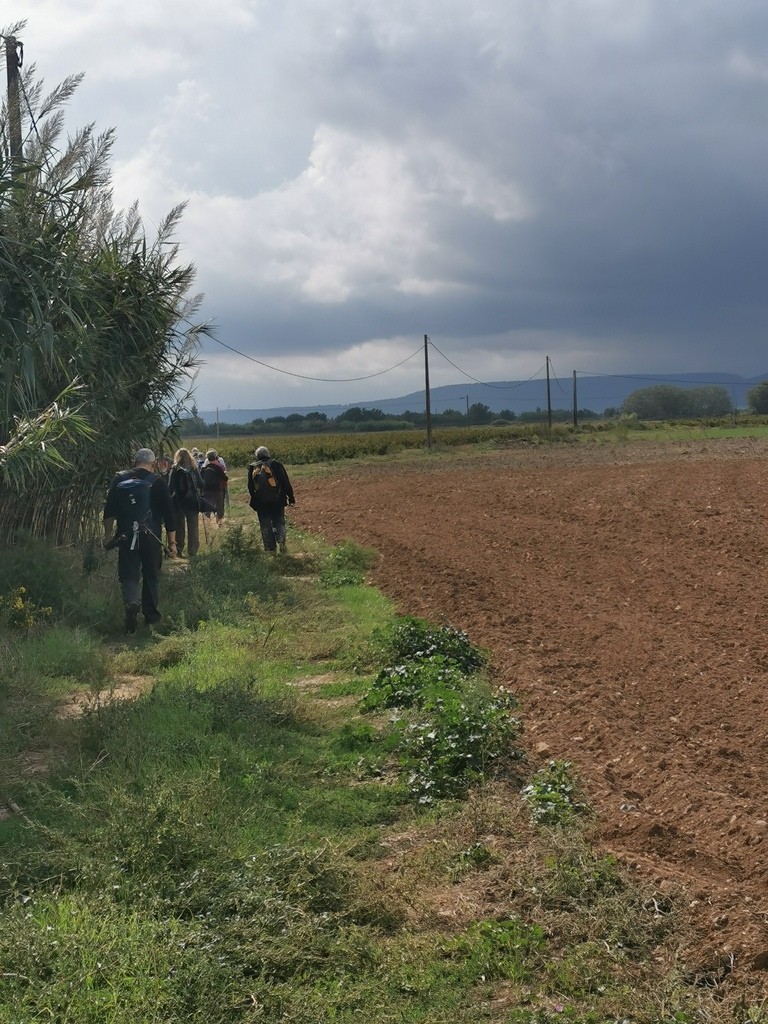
x=357, y=221
x=743, y=65
x=513, y=176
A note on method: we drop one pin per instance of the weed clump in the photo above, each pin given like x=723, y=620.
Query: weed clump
x=346, y=565
x=451, y=730
x=552, y=795
x=414, y=639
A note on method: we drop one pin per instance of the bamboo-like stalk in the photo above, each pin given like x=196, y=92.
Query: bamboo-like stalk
x=97, y=338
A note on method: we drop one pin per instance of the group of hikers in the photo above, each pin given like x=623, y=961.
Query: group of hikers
x=158, y=494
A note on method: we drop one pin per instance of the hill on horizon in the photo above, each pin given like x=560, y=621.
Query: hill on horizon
x=597, y=393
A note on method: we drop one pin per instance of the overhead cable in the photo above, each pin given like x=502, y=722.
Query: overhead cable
x=499, y=387
x=304, y=376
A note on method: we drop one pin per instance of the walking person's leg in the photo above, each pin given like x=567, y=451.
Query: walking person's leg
x=128, y=572
x=151, y=563
x=267, y=533
x=278, y=525
x=193, y=533
x=180, y=530
x=219, y=503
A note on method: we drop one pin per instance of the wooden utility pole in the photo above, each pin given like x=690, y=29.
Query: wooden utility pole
x=14, y=51
x=549, y=399
x=575, y=402
x=426, y=392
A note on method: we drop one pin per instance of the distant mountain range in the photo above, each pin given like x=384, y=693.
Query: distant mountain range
x=597, y=393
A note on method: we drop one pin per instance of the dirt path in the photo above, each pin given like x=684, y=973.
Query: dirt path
x=622, y=591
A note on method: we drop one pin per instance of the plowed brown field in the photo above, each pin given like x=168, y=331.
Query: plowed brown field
x=623, y=593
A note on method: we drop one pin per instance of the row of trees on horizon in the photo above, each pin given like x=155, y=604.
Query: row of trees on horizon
x=659, y=402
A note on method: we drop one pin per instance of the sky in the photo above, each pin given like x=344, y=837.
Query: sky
x=578, y=180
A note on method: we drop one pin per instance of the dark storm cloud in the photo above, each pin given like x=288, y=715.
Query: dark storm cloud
x=585, y=179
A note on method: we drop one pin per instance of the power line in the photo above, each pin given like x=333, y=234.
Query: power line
x=304, y=376
x=554, y=374
x=33, y=122
x=499, y=387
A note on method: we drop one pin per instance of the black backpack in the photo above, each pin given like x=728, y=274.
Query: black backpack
x=182, y=483
x=132, y=505
x=213, y=477
x=265, y=487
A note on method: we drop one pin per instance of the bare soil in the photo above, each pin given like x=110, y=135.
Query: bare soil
x=621, y=589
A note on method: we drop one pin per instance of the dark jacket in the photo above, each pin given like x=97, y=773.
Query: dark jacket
x=284, y=489
x=214, y=477
x=160, y=505
x=185, y=485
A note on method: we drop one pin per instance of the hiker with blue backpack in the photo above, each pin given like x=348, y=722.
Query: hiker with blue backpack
x=270, y=491
x=138, y=505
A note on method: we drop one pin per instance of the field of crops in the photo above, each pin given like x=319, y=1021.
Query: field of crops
x=305, y=449
x=302, y=449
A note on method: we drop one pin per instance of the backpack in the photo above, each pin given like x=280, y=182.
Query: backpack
x=132, y=506
x=265, y=489
x=182, y=482
x=213, y=477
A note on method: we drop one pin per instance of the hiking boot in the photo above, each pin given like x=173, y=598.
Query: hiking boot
x=131, y=617
x=152, y=619
x=283, y=547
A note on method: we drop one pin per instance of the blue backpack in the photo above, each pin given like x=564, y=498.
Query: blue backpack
x=132, y=506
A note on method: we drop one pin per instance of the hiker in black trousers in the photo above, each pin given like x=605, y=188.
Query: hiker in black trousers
x=138, y=505
x=270, y=491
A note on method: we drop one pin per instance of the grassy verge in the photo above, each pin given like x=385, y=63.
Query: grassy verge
x=307, y=811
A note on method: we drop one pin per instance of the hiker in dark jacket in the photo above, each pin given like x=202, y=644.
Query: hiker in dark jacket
x=133, y=523
x=215, y=479
x=270, y=491
x=186, y=485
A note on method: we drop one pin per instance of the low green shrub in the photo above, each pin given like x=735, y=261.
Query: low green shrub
x=412, y=682
x=412, y=638
x=44, y=571
x=552, y=795
x=20, y=612
x=460, y=739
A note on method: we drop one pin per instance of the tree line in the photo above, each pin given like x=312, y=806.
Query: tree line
x=366, y=420
x=659, y=402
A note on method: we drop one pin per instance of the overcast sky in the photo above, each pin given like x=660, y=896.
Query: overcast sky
x=579, y=179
